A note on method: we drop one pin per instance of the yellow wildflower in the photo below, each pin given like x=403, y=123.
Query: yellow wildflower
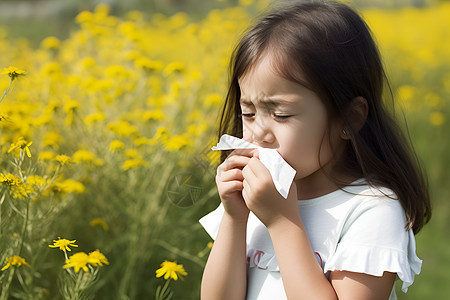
x=133, y=163
x=83, y=156
x=50, y=42
x=52, y=139
x=14, y=261
x=94, y=118
x=84, y=17
x=21, y=144
x=63, y=159
x=245, y=2
x=77, y=261
x=170, y=270
x=173, y=67
x=72, y=186
x=13, y=72
x=147, y=64
x=46, y=155
x=177, y=142
x=36, y=180
x=96, y=258
x=16, y=187
x=406, y=92
x=116, y=71
x=10, y=179
x=63, y=244
x=437, y=118
x=142, y=141
x=131, y=153
x=81, y=260
x=116, y=145
x=213, y=99
x=156, y=115
x=122, y=128
x=99, y=222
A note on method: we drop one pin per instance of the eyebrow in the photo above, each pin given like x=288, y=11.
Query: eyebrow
x=266, y=101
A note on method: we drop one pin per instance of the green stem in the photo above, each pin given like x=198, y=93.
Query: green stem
x=1, y=204
x=22, y=283
x=162, y=291
x=180, y=252
x=5, y=290
x=77, y=286
x=7, y=90
x=25, y=225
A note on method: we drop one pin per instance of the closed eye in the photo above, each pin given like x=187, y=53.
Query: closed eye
x=248, y=115
x=281, y=117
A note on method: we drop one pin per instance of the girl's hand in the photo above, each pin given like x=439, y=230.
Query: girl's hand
x=229, y=183
x=263, y=199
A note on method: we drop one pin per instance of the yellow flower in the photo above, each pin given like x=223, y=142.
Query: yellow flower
x=77, y=261
x=50, y=42
x=147, y=64
x=99, y=222
x=94, y=118
x=21, y=144
x=245, y=2
x=177, y=142
x=170, y=270
x=72, y=186
x=52, y=139
x=14, y=261
x=437, y=118
x=122, y=128
x=46, y=155
x=133, y=163
x=173, y=67
x=63, y=244
x=63, y=159
x=80, y=260
x=131, y=153
x=116, y=145
x=156, y=115
x=83, y=156
x=406, y=92
x=37, y=180
x=96, y=258
x=16, y=187
x=13, y=72
x=10, y=179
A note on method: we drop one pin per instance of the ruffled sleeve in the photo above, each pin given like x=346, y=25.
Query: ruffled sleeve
x=374, y=240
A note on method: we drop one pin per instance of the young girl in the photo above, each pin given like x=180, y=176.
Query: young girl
x=308, y=81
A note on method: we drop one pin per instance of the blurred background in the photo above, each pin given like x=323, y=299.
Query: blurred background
x=129, y=92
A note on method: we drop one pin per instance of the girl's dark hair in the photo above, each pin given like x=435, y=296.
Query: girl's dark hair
x=330, y=45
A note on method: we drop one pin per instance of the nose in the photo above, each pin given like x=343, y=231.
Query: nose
x=261, y=133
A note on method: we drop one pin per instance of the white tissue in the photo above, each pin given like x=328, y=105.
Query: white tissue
x=282, y=173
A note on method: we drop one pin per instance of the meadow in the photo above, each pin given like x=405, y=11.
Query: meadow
x=105, y=140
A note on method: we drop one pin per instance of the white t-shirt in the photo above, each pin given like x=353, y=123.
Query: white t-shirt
x=358, y=230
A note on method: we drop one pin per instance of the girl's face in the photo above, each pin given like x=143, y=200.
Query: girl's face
x=281, y=114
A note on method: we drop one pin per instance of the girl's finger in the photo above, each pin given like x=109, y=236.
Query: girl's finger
x=230, y=175
x=232, y=186
x=232, y=162
x=248, y=174
x=257, y=167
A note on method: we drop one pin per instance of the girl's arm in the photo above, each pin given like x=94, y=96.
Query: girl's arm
x=225, y=275
x=302, y=276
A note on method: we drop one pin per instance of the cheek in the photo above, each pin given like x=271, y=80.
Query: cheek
x=246, y=136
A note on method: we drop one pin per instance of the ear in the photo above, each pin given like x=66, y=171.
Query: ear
x=356, y=116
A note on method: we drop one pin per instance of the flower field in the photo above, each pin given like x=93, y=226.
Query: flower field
x=105, y=140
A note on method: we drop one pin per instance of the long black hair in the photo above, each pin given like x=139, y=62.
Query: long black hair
x=330, y=44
